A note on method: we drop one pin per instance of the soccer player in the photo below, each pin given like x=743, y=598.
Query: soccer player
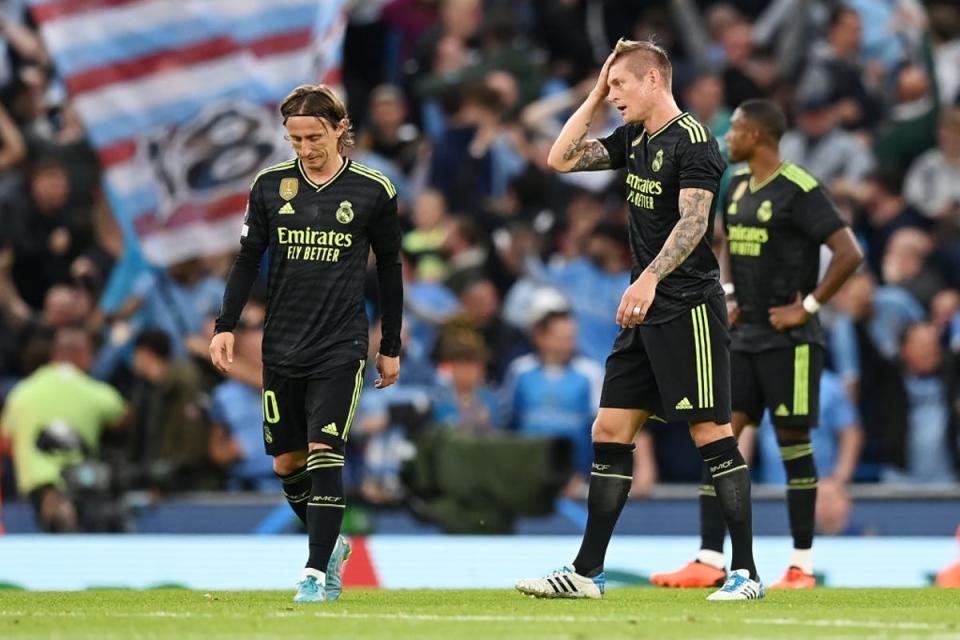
x=319, y=214
x=776, y=217
x=671, y=357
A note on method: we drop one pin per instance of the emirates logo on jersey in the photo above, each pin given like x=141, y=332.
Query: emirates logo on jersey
x=657, y=160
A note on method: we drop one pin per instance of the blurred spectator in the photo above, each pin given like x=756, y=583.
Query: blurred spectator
x=388, y=133
x=25, y=333
x=46, y=235
x=170, y=439
x=474, y=159
x=932, y=184
x=818, y=143
x=388, y=421
x=465, y=251
x=724, y=43
x=703, y=97
x=834, y=70
x=594, y=283
x=12, y=153
x=926, y=446
x=424, y=244
x=945, y=29
x=911, y=127
x=559, y=29
x=461, y=400
x=554, y=392
x=236, y=414
x=885, y=211
x=905, y=265
x=55, y=419
x=481, y=311
x=178, y=300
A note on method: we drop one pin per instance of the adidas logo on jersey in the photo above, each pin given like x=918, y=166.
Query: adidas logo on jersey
x=684, y=404
x=286, y=208
x=331, y=429
x=782, y=411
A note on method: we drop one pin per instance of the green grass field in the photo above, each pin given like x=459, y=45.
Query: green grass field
x=624, y=613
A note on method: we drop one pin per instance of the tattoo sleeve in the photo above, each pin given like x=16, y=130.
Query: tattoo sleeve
x=593, y=155
x=694, y=215
x=594, y=158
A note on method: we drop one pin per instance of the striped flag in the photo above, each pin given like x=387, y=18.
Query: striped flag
x=179, y=99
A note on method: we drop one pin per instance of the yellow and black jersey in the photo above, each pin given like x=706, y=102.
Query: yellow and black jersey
x=681, y=154
x=318, y=237
x=774, y=231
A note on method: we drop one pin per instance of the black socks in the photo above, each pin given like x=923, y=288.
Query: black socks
x=610, y=479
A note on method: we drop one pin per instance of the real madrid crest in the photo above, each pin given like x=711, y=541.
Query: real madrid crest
x=289, y=188
x=345, y=212
x=765, y=211
x=657, y=160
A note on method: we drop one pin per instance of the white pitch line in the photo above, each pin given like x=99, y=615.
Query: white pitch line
x=423, y=617
x=866, y=624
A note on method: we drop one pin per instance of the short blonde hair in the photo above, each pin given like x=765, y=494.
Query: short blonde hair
x=319, y=101
x=644, y=54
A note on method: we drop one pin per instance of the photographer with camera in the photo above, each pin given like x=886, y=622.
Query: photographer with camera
x=55, y=419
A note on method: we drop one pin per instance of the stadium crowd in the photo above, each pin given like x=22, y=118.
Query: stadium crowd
x=513, y=273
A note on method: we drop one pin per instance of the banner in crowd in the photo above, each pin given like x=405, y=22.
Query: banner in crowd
x=179, y=99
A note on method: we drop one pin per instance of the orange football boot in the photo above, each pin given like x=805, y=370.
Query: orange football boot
x=950, y=577
x=795, y=578
x=695, y=575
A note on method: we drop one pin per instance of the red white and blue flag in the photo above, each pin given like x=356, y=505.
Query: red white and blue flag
x=179, y=99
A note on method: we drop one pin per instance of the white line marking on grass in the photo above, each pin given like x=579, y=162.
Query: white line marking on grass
x=866, y=624
x=426, y=617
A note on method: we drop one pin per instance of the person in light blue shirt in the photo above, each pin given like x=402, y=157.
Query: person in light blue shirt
x=836, y=440
x=236, y=411
x=178, y=300
x=553, y=392
x=237, y=407
x=461, y=399
x=594, y=284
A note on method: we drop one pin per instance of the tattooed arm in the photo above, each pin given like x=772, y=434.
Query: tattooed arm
x=572, y=151
x=694, y=216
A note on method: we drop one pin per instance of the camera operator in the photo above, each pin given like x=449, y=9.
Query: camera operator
x=55, y=419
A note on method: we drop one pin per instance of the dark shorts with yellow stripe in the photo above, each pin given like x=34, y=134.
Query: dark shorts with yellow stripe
x=678, y=370
x=297, y=411
x=784, y=381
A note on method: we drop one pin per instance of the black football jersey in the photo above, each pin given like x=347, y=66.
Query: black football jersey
x=319, y=237
x=681, y=154
x=774, y=231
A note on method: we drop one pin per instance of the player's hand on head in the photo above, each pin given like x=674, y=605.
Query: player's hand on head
x=789, y=316
x=601, y=89
x=221, y=351
x=636, y=300
x=389, y=369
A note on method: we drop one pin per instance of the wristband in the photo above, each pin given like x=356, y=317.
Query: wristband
x=810, y=304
